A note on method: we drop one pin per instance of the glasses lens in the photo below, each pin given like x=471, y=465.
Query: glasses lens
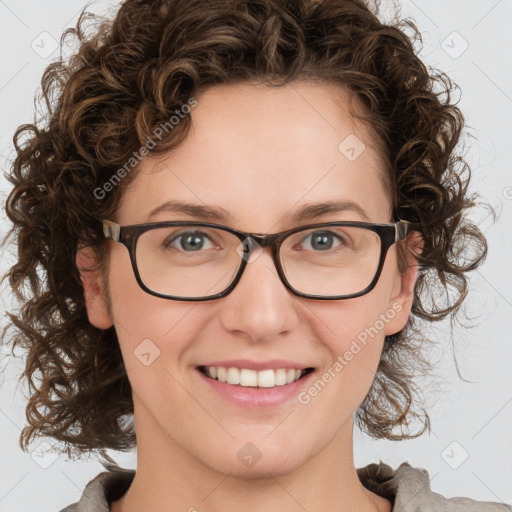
x=187, y=261
x=331, y=261
x=199, y=261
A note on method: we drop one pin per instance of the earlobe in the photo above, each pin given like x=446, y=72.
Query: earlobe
x=402, y=295
x=95, y=301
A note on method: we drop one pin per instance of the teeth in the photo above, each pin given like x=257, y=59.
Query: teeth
x=280, y=377
x=222, y=375
x=247, y=377
x=251, y=378
x=233, y=376
x=266, y=379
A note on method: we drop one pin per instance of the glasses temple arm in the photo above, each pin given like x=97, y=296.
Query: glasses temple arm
x=111, y=230
x=402, y=228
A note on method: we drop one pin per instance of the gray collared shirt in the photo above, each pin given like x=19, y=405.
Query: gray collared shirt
x=408, y=488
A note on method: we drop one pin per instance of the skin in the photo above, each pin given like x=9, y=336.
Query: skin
x=260, y=153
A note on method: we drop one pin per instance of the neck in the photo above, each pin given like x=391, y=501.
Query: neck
x=169, y=478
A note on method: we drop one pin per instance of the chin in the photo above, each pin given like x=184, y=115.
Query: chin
x=260, y=470
x=250, y=462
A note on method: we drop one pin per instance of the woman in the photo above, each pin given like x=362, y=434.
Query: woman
x=238, y=209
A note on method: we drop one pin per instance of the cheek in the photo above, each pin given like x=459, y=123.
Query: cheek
x=137, y=314
x=352, y=344
x=153, y=332
x=352, y=333
x=360, y=320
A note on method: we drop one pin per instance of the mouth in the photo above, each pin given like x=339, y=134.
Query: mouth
x=248, y=378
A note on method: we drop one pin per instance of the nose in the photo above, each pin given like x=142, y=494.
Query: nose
x=260, y=305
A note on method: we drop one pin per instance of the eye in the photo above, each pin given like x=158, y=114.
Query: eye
x=189, y=241
x=324, y=240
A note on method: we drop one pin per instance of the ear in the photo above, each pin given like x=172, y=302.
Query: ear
x=402, y=295
x=95, y=301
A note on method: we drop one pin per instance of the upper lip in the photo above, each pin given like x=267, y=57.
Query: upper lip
x=272, y=364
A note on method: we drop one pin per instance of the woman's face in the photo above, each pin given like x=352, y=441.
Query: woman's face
x=258, y=153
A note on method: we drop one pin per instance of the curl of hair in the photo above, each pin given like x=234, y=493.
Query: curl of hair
x=128, y=77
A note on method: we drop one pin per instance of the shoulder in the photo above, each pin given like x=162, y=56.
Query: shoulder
x=408, y=488
x=101, y=491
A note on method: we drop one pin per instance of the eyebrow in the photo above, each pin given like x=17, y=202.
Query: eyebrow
x=219, y=214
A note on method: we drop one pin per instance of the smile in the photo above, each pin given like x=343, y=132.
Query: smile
x=245, y=377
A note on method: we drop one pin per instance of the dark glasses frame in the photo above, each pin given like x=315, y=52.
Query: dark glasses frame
x=128, y=236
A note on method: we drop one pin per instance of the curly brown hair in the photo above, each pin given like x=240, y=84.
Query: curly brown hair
x=128, y=76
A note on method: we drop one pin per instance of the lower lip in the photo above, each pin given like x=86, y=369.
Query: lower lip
x=257, y=398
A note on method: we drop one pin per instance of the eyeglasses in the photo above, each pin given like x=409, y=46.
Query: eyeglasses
x=197, y=261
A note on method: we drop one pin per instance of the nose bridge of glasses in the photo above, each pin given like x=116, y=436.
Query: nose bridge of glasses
x=253, y=246
x=263, y=240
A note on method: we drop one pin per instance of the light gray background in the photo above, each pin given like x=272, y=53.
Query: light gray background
x=469, y=419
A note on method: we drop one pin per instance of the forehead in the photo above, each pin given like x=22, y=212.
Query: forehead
x=259, y=153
